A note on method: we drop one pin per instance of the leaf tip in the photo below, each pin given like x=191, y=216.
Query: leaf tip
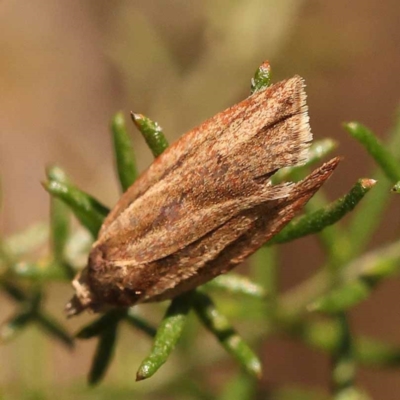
x=262, y=78
x=93, y=381
x=136, y=117
x=140, y=376
x=45, y=185
x=257, y=369
x=396, y=188
x=352, y=125
x=56, y=173
x=118, y=118
x=368, y=183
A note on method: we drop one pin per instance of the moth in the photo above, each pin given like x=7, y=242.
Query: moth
x=205, y=204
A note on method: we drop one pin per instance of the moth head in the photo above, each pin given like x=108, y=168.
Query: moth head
x=83, y=299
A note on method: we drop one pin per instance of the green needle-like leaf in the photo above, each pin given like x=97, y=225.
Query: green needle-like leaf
x=320, y=219
x=13, y=291
x=152, y=133
x=124, y=154
x=344, y=367
x=23, y=243
x=15, y=325
x=342, y=298
x=326, y=336
x=334, y=237
x=106, y=328
x=369, y=268
x=237, y=284
x=396, y=187
x=96, y=327
x=87, y=209
x=361, y=228
x=59, y=220
x=359, y=279
x=40, y=272
x=168, y=334
x=103, y=355
x=139, y=323
x=35, y=301
x=240, y=387
x=262, y=78
x=31, y=312
x=374, y=353
x=218, y=324
x=54, y=329
x=264, y=270
x=390, y=166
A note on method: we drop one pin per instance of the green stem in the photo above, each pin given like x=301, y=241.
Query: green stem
x=343, y=362
x=218, y=324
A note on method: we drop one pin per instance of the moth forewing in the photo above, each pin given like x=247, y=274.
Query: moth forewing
x=205, y=204
x=223, y=249
x=213, y=181
x=229, y=130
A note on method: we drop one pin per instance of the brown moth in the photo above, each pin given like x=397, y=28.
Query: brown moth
x=205, y=204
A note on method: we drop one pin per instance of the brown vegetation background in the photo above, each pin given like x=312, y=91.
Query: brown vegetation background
x=67, y=66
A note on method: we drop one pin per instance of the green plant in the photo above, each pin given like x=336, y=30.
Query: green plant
x=349, y=275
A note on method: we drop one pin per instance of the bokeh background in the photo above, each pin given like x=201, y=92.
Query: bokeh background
x=67, y=66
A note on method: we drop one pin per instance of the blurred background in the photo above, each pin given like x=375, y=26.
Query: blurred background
x=67, y=66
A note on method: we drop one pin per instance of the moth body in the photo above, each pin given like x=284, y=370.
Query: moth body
x=205, y=204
